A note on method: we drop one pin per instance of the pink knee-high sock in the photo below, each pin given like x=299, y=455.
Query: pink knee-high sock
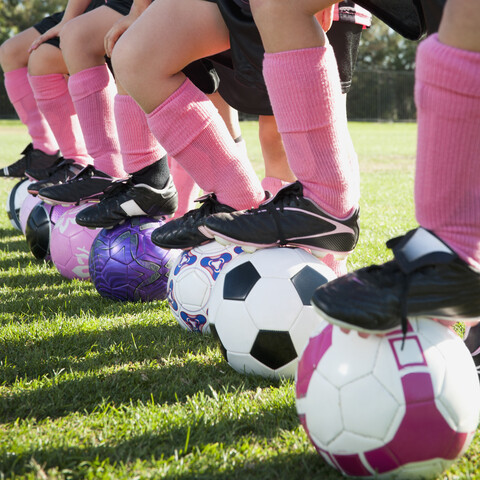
x=191, y=130
x=93, y=91
x=138, y=146
x=447, y=182
x=273, y=184
x=21, y=97
x=304, y=89
x=53, y=99
x=186, y=187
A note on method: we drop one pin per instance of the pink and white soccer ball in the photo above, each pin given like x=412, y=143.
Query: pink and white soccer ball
x=27, y=206
x=70, y=245
x=385, y=407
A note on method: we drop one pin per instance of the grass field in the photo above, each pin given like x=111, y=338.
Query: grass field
x=94, y=389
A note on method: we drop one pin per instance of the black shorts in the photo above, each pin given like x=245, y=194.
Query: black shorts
x=410, y=18
x=239, y=70
x=120, y=6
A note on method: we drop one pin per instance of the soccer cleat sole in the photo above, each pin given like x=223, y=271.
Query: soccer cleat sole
x=348, y=326
x=252, y=247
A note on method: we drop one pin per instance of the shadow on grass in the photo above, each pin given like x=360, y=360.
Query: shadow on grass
x=164, y=383
x=166, y=446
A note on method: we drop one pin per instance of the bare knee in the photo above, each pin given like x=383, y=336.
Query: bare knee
x=45, y=60
x=14, y=51
x=127, y=61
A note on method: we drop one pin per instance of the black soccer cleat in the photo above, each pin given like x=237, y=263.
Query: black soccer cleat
x=124, y=199
x=42, y=173
x=87, y=186
x=31, y=157
x=472, y=341
x=64, y=172
x=425, y=279
x=286, y=219
x=183, y=232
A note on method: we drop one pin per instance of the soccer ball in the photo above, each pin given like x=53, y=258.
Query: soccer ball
x=26, y=208
x=388, y=406
x=41, y=220
x=70, y=245
x=260, y=309
x=125, y=265
x=191, y=281
x=14, y=202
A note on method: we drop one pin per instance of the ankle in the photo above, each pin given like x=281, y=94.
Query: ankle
x=155, y=175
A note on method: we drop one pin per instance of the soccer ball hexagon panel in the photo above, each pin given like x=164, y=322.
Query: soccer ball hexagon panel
x=260, y=309
x=191, y=281
x=388, y=407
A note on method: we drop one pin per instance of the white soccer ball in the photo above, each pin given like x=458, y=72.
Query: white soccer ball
x=191, y=280
x=388, y=407
x=260, y=309
x=15, y=199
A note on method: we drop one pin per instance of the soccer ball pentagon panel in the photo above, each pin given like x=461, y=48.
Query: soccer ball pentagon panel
x=388, y=407
x=38, y=228
x=260, y=309
x=191, y=281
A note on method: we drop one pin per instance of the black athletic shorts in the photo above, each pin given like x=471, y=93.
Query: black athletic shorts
x=120, y=6
x=239, y=70
x=410, y=18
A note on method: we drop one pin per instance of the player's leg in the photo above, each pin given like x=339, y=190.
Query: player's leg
x=320, y=210
x=92, y=86
x=149, y=189
x=43, y=151
x=187, y=188
x=180, y=116
x=436, y=270
x=47, y=76
x=277, y=171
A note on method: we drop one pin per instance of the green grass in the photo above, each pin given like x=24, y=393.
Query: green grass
x=95, y=389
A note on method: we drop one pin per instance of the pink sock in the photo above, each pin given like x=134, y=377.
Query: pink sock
x=21, y=97
x=447, y=182
x=273, y=185
x=138, y=146
x=192, y=131
x=53, y=99
x=93, y=91
x=304, y=89
x=186, y=187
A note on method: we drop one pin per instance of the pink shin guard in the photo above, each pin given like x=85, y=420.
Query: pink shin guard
x=21, y=96
x=54, y=101
x=138, y=147
x=93, y=91
x=304, y=89
x=447, y=182
x=192, y=131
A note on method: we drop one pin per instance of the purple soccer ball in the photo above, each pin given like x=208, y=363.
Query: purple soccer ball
x=125, y=265
x=70, y=245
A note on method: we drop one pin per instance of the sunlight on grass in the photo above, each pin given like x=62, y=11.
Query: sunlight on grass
x=96, y=389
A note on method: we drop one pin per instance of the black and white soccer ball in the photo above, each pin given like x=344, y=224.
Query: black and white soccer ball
x=15, y=200
x=38, y=228
x=260, y=309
